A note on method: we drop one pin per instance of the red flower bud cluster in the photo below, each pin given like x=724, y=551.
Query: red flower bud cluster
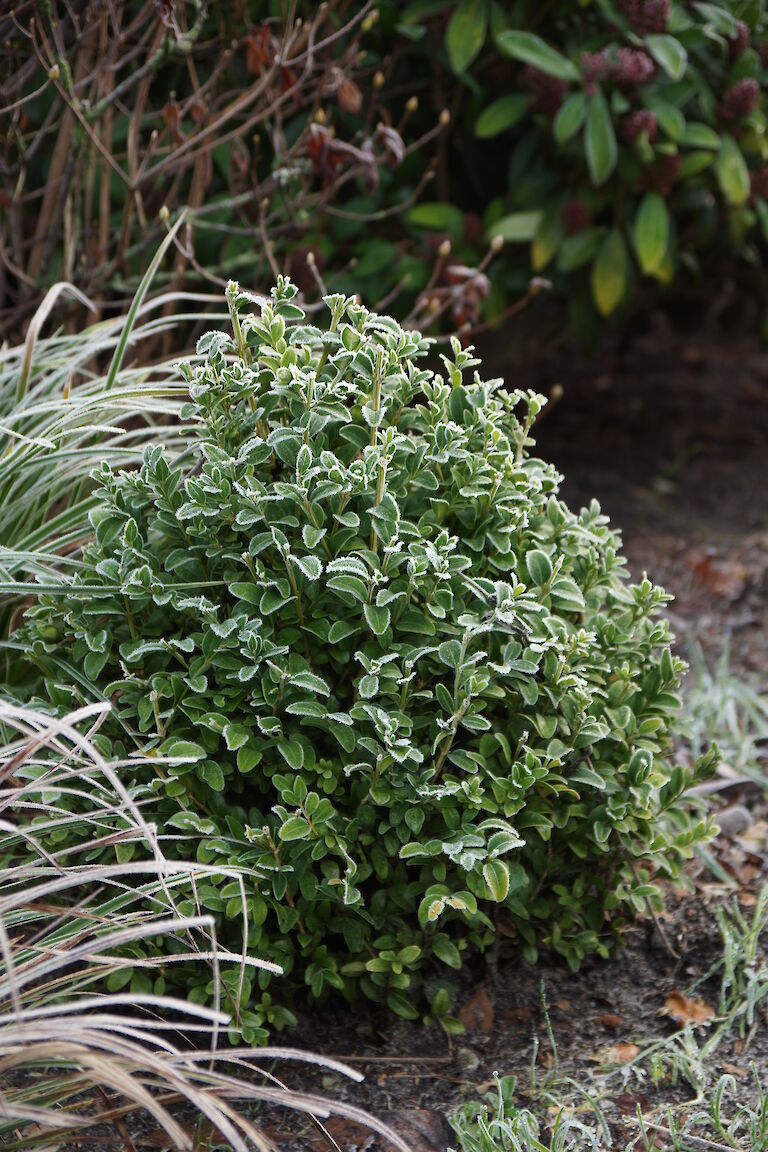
x=759, y=183
x=740, y=42
x=547, y=92
x=575, y=216
x=638, y=122
x=661, y=176
x=595, y=66
x=628, y=68
x=646, y=15
x=740, y=100
x=631, y=68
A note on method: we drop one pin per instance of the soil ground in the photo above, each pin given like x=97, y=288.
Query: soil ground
x=671, y=435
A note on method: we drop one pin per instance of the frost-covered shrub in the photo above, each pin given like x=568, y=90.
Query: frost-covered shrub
x=395, y=675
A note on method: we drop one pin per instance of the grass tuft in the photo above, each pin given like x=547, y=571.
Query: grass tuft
x=82, y=1056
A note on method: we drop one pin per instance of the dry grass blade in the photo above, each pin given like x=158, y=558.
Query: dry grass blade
x=36, y=324
x=75, y=1058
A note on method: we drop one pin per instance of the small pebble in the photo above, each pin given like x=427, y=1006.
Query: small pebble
x=467, y=1060
x=734, y=821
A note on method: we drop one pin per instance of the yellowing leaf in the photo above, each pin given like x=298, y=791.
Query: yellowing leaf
x=547, y=241
x=517, y=227
x=496, y=876
x=609, y=273
x=732, y=172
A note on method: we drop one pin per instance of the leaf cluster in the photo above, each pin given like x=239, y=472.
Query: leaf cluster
x=378, y=661
x=617, y=144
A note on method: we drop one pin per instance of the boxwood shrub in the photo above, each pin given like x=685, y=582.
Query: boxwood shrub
x=381, y=664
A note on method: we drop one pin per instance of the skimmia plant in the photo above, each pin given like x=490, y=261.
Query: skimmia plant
x=395, y=676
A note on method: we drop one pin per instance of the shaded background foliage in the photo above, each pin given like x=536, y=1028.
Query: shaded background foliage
x=263, y=124
x=617, y=146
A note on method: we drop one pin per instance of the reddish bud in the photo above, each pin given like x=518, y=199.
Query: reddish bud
x=741, y=99
x=662, y=174
x=636, y=123
x=759, y=183
x=740, y=42
x=646, y=16
x=547, y=92
x=631, y=68
x=575, y=216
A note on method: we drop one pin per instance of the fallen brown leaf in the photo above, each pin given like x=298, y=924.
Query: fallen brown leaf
x=346, y=1133
x=723, y=578
x=627, y=1104
x=477, y=1013
x=423, y=1129
x=563, y=1005
x=685, y=1010
x=620, y=1053
x=733, y=1069
x=611, y=1021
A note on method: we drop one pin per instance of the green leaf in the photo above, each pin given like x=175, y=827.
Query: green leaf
x=761, y=208
x=578, y=250
x=292, y=752
x=695, y=162
x=651, y=232
x=294, y=828
x=185, y=750
x=138, y=299
x=309, y=681
x=450, y=653
x=402, y=1006
x=236, y=736
x=312, y=536
x=501, y=115
x=496, y=876
x=570, y=116
x=670, y=118
x=566, y=593
x=669, y=53
x=93, y=664
x=539, y=566
x=547, y=240
x=210, y=772
x=309, y=566
x=732, y=172
x=437, y=216
x=531, y=49
x=517, y=227
x=696, y=135
x=340, y=630
x=609, y=276
x=368, y=686
x=251, y=593
x=445, y=950
x=378, y=618
x=599, y=139
x=465, y=34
